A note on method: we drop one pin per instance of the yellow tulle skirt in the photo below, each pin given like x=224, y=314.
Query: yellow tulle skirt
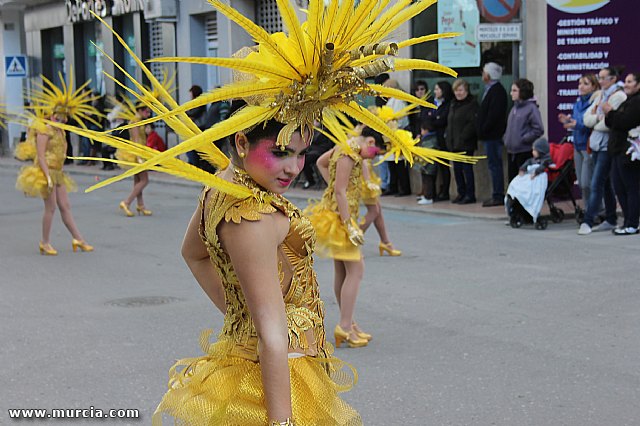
x=33, y=182
x=25, y=151
x=332, y=239
x=223, y=390
x=128, y=157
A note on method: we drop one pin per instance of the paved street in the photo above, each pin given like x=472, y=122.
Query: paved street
x=476, y=324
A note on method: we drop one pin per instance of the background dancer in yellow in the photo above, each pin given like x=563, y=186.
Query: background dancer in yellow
x=336, y=220
x=45, y=178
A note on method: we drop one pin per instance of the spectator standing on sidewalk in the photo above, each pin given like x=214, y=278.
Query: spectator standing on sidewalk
x=587, y=85
x=492, y=122
x=399, y=184
x=461, y=137
x=154, y=140
x=611, y=93
x=196, y=115
x=437, y=121
x=524, y=126
x=625, y=172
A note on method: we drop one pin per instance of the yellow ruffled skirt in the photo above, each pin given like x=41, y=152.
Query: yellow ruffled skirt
x=33, y=182
x=128, y=157
x=223, y=390
x=332, y=239
x=25, y=151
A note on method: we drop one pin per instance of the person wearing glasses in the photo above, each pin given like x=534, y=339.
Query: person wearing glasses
x=610, y=93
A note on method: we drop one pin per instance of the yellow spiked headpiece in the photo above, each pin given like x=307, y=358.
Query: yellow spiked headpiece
x=50, y=99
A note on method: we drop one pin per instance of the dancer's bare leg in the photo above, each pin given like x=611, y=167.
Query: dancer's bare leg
x=50, y=204
x=144, y=181
x=65, y=211
x=349, y=293
x=140, y=180
x=380, y=227
x=339, y=273
x=373, y=210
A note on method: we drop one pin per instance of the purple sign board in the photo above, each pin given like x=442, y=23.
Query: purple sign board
x=584, y=39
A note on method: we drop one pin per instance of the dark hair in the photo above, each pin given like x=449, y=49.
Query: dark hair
x=266, y=130
x=381, y=78
x=525, y=87
x=636, y=76
x=377, y=136
x=447, y=91
x=195, y=90
x=421, y=83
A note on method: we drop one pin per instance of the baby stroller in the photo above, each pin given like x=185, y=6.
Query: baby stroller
x=524, y=200
x=559, y=184
x=562, y=175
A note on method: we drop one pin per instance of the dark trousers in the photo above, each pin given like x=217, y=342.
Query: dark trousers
x=625, y=176
x=444, y=170
x=514, y=161
x=465, y=180
x=494, y=161
x=428, y=186
x=309, y=162
x=399, y=177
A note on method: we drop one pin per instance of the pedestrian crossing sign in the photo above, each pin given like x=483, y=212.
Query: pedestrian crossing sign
x=15, y=66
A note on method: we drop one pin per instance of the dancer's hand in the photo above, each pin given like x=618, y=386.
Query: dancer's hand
x=354, y=232
x=49, y=183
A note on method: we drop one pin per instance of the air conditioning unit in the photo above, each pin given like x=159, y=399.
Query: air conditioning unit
x=154, y=9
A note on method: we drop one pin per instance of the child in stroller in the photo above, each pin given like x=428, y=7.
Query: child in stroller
x=526, y=192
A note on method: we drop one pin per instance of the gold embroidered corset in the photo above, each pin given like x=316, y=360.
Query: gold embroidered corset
x=56, y=148
x=304, y=309
x=353, y=187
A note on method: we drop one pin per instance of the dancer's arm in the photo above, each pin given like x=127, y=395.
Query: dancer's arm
x=323, y=164
x=196, y=256
x=344, y=166
x=255, y=262
x=41, y=148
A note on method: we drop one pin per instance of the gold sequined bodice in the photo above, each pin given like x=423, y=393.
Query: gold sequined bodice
x=353, y=187
x=56, y=149
x=304, y=309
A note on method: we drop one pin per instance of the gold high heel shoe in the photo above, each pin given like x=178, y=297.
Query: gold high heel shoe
x=361, y=334
x=142, y=211
x=82, y=245
x=47, y=250
x=342, y=336
x=125, y=209
x=389, y=249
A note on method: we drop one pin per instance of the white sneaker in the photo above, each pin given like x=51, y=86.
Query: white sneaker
x=584, y=229
x=425, y=201
x=604, y=226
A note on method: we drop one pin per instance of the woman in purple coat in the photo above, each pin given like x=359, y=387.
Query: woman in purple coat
x=524, y=126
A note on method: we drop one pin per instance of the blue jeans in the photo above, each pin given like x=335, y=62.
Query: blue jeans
x=383, y=172
x=601, y=187
x=494, y=160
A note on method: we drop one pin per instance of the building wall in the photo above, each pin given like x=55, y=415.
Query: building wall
x=12, y=42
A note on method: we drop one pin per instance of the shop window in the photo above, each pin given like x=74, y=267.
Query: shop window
x=211, y=34
x=52, y=53
x=500, y=52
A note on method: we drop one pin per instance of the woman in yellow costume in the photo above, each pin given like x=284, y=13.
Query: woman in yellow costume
x=336, y=219
x=45, y=178
x=271, y=364
x=134, y=113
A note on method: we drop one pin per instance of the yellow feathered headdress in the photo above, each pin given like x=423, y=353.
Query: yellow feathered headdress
x=315, y=71
x=48, y=99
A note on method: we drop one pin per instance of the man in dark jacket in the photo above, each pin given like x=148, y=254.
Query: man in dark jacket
x=492, y=121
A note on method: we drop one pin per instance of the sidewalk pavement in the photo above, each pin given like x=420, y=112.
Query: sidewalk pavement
x=407, y=203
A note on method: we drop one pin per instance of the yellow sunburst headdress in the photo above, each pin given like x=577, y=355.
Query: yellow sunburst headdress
x=48, y=99
x=316, y=71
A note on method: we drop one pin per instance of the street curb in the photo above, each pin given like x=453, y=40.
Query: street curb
x=293, y=194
